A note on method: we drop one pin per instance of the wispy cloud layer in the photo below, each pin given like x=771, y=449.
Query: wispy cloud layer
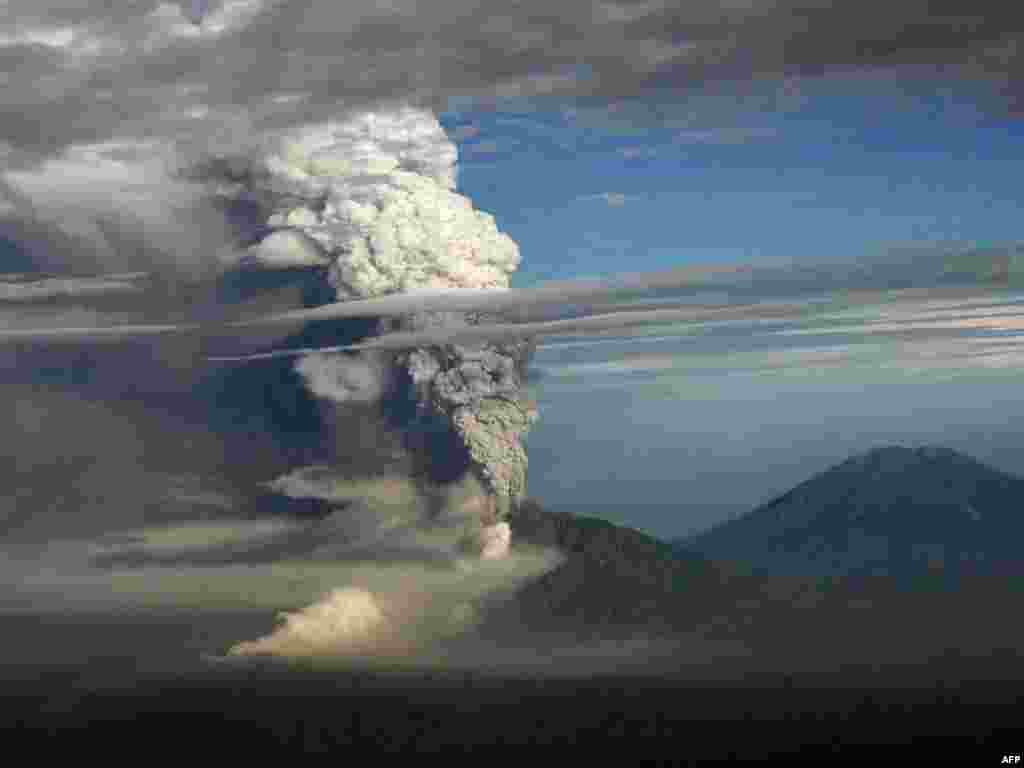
x=923, y=336
x=148, y=70
x=613, y=199
x=24, y=289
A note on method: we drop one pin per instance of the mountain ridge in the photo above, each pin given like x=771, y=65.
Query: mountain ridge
x=892, y=510
x=620, y=588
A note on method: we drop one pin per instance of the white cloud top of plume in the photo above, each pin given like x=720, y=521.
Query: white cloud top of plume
x=376, y=192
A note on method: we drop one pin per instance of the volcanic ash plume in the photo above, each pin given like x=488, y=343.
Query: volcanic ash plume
x=375, y=193
x=343, y=619
x=480, y=391
x=359, y=378
x=373, y=197
x=496, y=540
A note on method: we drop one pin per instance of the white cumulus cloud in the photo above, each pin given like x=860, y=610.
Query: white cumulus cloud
x=346, y=378
x=376, y=192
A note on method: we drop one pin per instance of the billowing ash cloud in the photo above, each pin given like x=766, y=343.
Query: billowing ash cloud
x=342, y=620
x=370, y=196
x=375, y=193
x=124, y=202
x=479, y=389
x=285, y=248
x=360, y=378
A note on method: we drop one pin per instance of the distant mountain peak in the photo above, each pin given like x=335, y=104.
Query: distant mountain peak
x=924, y=450
x=934, y=451
x=897, y=456
x=891, y=508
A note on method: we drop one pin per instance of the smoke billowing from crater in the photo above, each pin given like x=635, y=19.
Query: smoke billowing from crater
x=369, y=201
x=341, y=621
x=373, y=196
x=360, y=378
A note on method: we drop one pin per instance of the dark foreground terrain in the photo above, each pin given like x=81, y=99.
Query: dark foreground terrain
x=244, y=714
x=896, y=511
x=761, y=666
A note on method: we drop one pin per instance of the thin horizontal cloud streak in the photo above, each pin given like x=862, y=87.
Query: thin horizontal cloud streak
x=613, y=199
x=957, y=343
x=1008, y=318
x=637, y=153
x=872, y=311
x=22, y=291
x=551, y=294
x=723, y=136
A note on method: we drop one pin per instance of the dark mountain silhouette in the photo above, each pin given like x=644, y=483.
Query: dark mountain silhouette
x=726, y=620
x=893, y=511
x=612, y=578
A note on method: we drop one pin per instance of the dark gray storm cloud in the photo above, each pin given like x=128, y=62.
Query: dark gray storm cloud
x=89, y=71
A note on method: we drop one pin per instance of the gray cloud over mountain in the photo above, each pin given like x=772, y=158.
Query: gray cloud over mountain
x=150, y=69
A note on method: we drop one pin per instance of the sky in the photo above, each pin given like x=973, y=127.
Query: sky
x=841, y=167
x=688, y=429
x=534, y=141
